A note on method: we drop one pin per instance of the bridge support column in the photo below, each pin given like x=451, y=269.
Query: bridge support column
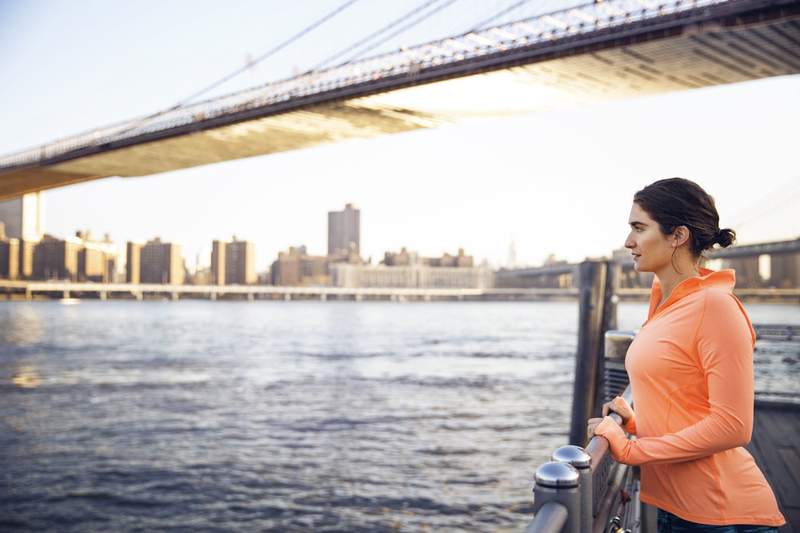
x=323, y=297
x=28, y=294
x=65, y=295
x=358, y=297
x=250, y=297
x=212, y=296
x=138, y=295
x=103, y=295
x=174, y=296
x=287, y=297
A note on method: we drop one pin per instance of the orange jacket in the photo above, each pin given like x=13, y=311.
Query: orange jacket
x=691, y=374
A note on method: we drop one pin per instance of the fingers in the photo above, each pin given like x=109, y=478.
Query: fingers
x=621, y=407
x=591, y=424
x=618, y=405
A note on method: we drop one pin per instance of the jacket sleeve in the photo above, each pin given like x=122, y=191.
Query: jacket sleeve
x=630, y=425
x=724, y=344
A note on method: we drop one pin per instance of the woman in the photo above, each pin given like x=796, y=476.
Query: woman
x=691, y=374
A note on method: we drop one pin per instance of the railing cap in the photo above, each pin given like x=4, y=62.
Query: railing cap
x=556, y=475
x=617, y=343
x=573, y=455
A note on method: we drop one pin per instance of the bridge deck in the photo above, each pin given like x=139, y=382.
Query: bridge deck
x=776, y=449
x=546, y=63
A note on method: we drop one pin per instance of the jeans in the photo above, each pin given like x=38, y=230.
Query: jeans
x=669, y=523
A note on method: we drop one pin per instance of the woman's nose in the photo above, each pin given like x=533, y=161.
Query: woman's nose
x=629, y=243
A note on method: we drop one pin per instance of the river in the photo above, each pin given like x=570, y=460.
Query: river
x=292, y=416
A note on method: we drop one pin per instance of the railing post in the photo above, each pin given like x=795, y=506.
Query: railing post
x=558, y=483
x=582, y=462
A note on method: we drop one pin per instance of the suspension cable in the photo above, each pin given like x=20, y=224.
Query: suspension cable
x=401, y=30
x=497, y=15
x=248, y=66
x=371, y=36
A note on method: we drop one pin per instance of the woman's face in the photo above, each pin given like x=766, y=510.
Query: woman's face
x=651, y=249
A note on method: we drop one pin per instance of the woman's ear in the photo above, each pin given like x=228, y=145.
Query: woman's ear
x=680, y=236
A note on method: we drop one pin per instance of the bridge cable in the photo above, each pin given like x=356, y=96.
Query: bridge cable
x=369, y=37
x=401, y=30
x=248, y=66
x=768, y=204
x=497, y=15
x=272, y=51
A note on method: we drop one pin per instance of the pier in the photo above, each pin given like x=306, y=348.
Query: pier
x=140, y=291
x=30, y=290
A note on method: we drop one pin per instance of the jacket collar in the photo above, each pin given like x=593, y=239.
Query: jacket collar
x=721, y=279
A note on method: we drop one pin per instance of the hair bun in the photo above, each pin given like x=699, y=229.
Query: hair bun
x=725, y=237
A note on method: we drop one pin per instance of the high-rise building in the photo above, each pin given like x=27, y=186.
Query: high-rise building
x=218, y=262
x=344, y=231
x=23, y=221
x=240, y=263
x=97, y=259
x=9, y=255
x=133, y=262
x=233, y=263
x=55, y=258
x=23, y=217
x=296, y=267
x=161, y=262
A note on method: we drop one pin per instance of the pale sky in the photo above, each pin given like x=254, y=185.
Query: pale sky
x=558, y=182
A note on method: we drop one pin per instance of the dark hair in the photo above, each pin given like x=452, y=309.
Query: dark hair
x=677, y=202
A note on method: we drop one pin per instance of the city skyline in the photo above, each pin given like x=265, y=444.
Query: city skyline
x=218, y=256
x=28, y=255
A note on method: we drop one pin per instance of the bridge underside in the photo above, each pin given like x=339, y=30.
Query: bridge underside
x=672, y=59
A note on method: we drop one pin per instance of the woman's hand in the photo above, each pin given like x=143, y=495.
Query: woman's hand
x=590, y=425
x=620, y=406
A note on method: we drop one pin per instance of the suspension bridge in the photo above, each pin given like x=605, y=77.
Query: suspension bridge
x=597, y=51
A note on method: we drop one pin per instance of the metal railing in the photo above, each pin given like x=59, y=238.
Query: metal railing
x=410, y=61
x=579, y=489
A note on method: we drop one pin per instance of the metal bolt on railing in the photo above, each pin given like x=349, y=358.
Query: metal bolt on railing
x=582, y=462
x=557, y=483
